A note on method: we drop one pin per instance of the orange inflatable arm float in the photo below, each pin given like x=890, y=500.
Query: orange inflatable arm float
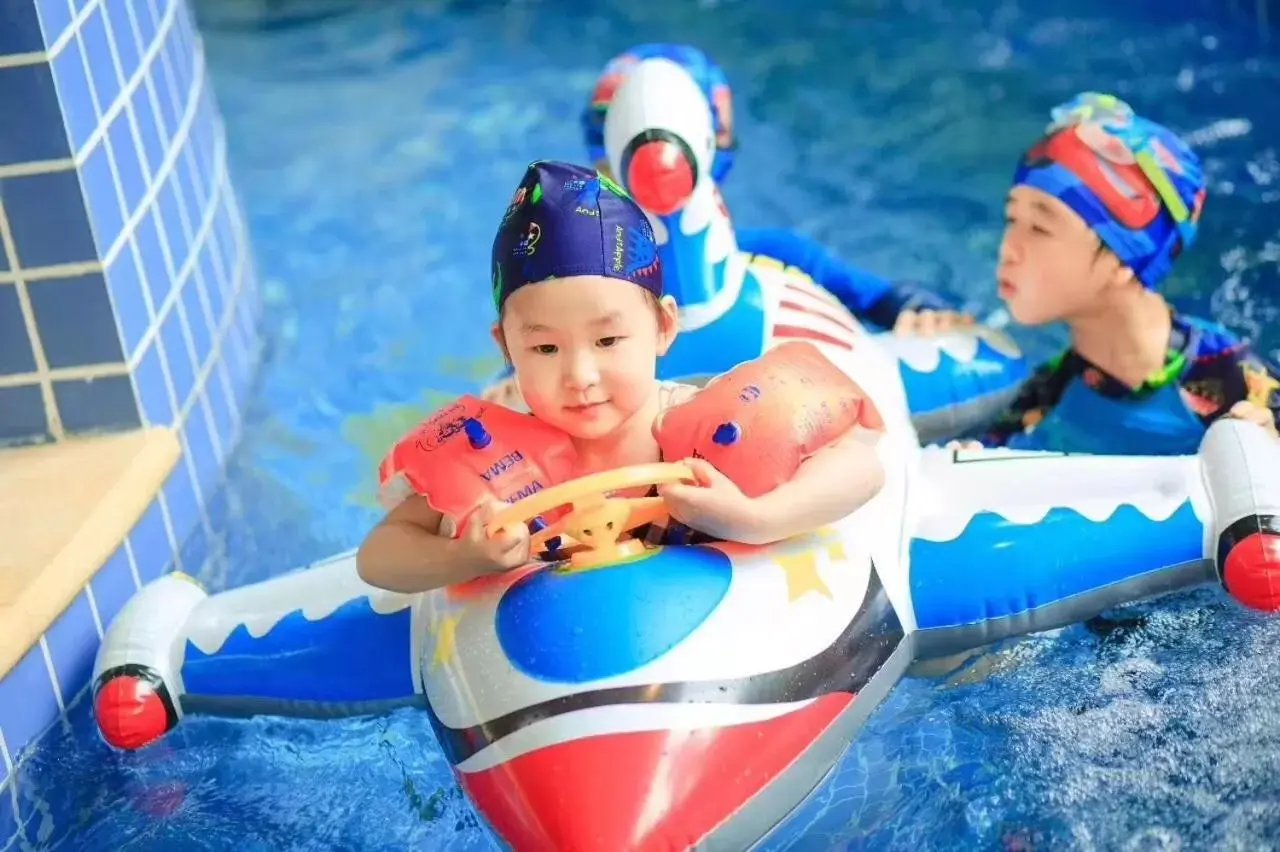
x=759, y=421
x=473, y=449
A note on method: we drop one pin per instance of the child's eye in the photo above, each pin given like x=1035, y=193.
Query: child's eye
x=1036, y=229
x=545, y=349
x=607, y=342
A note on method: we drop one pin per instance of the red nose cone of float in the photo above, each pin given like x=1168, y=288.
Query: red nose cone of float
x=1252, y=572
x=641, y=791
x=659, y=177
x=130, y=713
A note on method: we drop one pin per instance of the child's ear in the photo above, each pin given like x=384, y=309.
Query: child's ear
x=1122, y=276
x=668, y=323
x=495, y=331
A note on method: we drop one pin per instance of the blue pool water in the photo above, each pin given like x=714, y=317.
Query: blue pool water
x=375, y=146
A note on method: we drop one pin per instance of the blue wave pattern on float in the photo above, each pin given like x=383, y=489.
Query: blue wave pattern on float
x=550, y=627
x=1017, y=573
x=955, y=381
x=354, y=635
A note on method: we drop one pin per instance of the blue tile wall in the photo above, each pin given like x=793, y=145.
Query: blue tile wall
x=29, y=90
x=16, y=353
x=22, y=415
x=106, y=403
x=19, y=29
x=48, y=219
x=55, y=19
x=75, y=321
x=123, y=224
x=128, y=296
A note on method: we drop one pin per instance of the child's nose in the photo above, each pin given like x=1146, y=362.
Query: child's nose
x=583, y=371
x=1010, y=249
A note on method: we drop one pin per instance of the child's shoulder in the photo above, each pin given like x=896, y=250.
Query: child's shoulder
x=1206, y=338
x=674, y=393
x=1222, y=369
x=1209, y=347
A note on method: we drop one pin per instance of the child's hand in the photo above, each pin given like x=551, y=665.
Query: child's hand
x=930, y=323
x=714, y=506
x=506, y=549
x=1248, y=411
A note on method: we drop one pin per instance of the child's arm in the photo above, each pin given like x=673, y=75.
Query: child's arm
x=828, y=486
x=831, y=484
x=406, y=552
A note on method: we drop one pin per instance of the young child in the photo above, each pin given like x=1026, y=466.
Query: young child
x=583, y=320
x=1100, y=209
x=903, y=305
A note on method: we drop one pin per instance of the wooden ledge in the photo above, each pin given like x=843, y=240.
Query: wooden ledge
x=65, y=508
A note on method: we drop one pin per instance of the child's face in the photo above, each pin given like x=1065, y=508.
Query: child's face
x=585, y=350
x=1052, y=266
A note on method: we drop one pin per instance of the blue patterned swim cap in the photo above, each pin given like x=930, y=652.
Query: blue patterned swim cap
x=569, y=220
x=1134, y=182
x=704, y=71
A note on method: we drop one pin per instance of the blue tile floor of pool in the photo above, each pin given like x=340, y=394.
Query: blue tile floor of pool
x=375, y=147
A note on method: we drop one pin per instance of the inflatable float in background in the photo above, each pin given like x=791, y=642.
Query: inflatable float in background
x=875, y=300
x=727, y=679
x=660, y=141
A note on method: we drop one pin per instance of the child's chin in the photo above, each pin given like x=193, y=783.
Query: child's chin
x=583, y=428
x=1024, y=314
x=591, y=430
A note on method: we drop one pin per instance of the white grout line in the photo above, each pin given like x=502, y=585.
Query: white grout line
x=52, y=420
x=150, y=83
x=218, y=337
x=192, y=105
x=231, y=407
x=126, y=91
x=15, y=60
x=202, y=512
x=133, y=562
x=35, y=57
x=175, y=148
x=77, y=21
x=124, y=102
x=36, y=167
x=224, y=326
x=6, y=759
x=9, y=787
x=188, y=265
x=93, y=609
x=58, y=270
x=99, y=135
x=53, y=673
x=168, y=528
x=135, y=358
x=226, y=276
x=63, y=374
x=211, y=323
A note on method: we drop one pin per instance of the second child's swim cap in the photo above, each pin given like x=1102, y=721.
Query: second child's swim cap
x=1134, y=182
x=569, y=220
